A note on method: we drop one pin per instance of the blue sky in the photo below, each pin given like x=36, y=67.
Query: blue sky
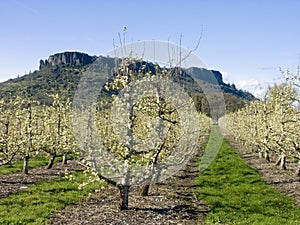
x=247, y=40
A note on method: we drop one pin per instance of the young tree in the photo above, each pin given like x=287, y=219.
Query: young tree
x=146, y=121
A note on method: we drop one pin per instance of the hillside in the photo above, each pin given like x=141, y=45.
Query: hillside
x=61, y=73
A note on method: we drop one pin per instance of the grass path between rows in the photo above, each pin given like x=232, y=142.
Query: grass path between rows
x=35, y=204
x=237, y=194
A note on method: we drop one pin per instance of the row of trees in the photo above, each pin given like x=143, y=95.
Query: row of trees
x=142, y=129
x=28, y=128
x=271, y=125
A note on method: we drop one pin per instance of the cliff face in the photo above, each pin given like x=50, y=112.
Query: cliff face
x=70, y=58
x=82, y=59
x=210, y=76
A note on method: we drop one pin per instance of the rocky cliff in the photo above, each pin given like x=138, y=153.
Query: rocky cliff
x=210, y=76
x=68, y=58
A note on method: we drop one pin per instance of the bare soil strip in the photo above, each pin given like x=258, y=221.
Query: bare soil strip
x=285, y=181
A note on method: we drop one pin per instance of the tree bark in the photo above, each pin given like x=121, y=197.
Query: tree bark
x=298, y=169
x=51, y=161
x=25, y=165
x=145, y=190
x=281, y=162
x=124, y=191
x=65, y=159
x=260, y=155
x=278, y=161
x=267, y=156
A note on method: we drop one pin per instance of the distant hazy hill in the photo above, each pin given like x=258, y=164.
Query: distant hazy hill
x=60, y=73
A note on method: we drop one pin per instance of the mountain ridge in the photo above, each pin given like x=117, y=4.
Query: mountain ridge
x=61, y=73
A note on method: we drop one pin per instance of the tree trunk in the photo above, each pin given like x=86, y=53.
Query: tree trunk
x=145, y=191
x=65, y=159
x=298, y=169
x=124, y=190
x=51, y=161
x=281, y=162
x=260, y=155
x=25, y=165
x=278, y=161
x=267, y=156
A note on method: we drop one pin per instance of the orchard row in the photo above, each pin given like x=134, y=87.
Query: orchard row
x=271, y=125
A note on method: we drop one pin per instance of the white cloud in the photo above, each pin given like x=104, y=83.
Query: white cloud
x=251, y=85
x=254, y=86
x=226, y=76
x=248, y=83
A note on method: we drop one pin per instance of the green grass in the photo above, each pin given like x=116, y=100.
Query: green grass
x=17, y=166
x=236, y=194
x=35, y=204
